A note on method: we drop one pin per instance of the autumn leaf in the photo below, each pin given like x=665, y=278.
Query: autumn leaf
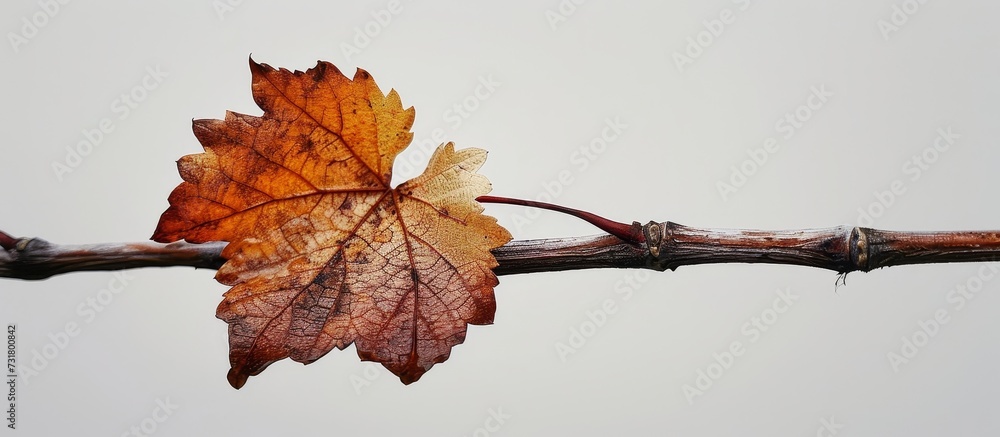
x=322, y=251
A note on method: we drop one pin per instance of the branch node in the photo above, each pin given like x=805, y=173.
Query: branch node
x=859, y=249
x=34, y=244
x=654, y=236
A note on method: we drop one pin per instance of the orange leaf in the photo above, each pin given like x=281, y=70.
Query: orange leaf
x=322, y=251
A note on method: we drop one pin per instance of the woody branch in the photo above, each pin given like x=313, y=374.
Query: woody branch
x=662, y=246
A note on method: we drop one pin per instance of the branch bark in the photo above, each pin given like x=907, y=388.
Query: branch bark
x=667, y=245
x=34, y=258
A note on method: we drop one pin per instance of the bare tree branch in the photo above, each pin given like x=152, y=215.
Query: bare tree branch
x=34, y=258
x=842, y=249
x=668, y=246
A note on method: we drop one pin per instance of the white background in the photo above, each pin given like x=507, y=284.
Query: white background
x=823, y=361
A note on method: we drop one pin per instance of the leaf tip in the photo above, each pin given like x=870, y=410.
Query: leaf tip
x=236, y=378
x=408, y=378
x=254, y=65
x=362, y=74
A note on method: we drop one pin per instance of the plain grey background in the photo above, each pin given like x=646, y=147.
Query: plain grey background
x=695, y=89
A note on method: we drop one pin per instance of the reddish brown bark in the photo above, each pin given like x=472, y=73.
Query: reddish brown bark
x=668, y=246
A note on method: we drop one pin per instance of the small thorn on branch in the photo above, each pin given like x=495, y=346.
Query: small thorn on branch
x=7, y=242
